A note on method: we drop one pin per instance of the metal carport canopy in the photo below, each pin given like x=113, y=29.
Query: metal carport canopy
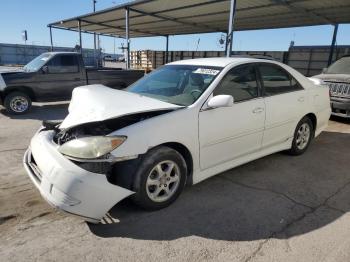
x=177, y=17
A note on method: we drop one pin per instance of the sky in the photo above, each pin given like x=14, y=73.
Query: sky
x=34, y=15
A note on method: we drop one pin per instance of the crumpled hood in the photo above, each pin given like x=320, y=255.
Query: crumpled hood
x=334, y=77
x=94, y=103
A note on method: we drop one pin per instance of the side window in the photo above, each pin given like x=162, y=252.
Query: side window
x=276, y=80
x=63, y=64
x=240, y=82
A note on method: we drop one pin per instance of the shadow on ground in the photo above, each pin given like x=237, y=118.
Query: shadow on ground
x=40, y=111
x=277, y=196
x=340, y=119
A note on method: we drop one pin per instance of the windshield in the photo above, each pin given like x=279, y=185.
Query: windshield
x=176, y=84
x=37, y=63
x=342, y=66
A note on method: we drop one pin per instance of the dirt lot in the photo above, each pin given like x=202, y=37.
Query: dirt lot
x=278, y=208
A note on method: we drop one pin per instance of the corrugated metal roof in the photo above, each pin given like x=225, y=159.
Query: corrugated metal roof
x=175, y=17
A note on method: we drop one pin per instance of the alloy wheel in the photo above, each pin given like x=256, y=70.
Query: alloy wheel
x=163, y=181
x=303, y=136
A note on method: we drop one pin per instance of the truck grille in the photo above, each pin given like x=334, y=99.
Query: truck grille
x=339, y=89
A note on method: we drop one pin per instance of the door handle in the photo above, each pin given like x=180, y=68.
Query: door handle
x=301, y=99
x=77, y=79
x=258, y=110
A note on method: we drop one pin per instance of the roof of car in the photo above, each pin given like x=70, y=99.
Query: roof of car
x=217, y=61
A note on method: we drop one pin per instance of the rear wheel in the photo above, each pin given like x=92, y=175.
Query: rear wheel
x=303, y=135
x=160, y=178
x=17, y=103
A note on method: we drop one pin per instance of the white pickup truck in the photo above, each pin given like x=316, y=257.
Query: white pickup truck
x=337, y=77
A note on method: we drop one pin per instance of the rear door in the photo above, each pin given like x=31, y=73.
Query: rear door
x=285, y=101
x=62, y=76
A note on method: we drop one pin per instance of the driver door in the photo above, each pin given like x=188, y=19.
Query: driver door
x=62, y=76
x=228, y=133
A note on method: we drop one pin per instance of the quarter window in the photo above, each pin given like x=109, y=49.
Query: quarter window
x=240, y=82
x=277, y=81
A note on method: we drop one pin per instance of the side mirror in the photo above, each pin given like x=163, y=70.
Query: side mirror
x=324, y=70
x=45, y=69
x=220, y=101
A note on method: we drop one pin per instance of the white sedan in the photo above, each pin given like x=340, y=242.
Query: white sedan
x=183, y=123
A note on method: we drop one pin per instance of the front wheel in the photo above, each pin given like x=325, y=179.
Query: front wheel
x=17, y=103
x=303, y=135
x=160, y=178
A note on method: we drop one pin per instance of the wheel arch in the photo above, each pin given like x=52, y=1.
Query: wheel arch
x=119, y=169
x=27, y=90
x=186, y=154
x=313, y=119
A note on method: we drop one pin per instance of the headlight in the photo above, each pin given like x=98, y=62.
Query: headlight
x=91, y=147
x=317, y=81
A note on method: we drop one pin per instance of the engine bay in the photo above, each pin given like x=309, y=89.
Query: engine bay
x=100, y=128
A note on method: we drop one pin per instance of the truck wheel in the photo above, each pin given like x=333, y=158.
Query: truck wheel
x=303, y=135
x=17, y=103
x=160, y=178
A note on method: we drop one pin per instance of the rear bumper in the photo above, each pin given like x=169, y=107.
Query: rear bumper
x=65, y=185
x=341, y=107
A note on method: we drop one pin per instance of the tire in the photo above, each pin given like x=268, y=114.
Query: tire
x=303, y=134
x=17, y=103
x=155, y=185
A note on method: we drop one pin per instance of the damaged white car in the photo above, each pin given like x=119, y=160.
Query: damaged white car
x=177, y=126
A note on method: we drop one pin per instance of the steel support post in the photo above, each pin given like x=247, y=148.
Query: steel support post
x=80, y=40
x=127, y=38
x=51, y=42
x=96, y=60
x=334, y=40
x=166, y=49
x=230, y=28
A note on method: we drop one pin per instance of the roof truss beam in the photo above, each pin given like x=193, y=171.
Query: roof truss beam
x=174, y=20
x=169, y=10
x=83, y=31
x=117, y=27
x=303, y=10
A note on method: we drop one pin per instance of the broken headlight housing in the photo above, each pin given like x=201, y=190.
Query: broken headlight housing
x=91, y=147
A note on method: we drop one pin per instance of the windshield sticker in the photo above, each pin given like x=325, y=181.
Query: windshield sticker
x=206, y=71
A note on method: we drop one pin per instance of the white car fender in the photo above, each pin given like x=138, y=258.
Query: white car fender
x=178, y=126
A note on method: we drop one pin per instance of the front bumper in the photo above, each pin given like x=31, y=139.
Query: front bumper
x=340, y=107
x=65, y=185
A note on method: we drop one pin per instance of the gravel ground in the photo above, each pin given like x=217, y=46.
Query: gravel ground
x=279, y=208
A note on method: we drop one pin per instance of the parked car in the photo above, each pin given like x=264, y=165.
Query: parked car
x=109, y=58
x=181, y=124
x=337, y=77
x=121, y=59
x=52, y=77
